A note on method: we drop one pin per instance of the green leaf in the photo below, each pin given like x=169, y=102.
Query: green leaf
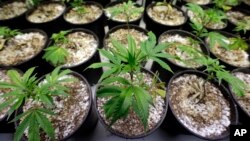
x=108, y=91
x=33, y=133
x=116, y=79
x=21, y=128
x=99, y=65
x=162, y=64
x=141, y=105
x=108, y=73
x=56, y=55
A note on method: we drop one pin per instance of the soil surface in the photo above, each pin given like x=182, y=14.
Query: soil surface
x=175, y=51
x=69, y=111
x=209, y=116
x=165, y=15
x=122, y=17
x=244, y=101
x=22, y=47
x=239, y=58
x=121, y=35
x=90, y=14
x=46, y=12
x=81, y=47
x=12, y=10
x=131, y=125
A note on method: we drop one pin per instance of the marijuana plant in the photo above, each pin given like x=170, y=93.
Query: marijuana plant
x=32, y=3
x=226, y=4
x=243, y=25
x=78, y=6
x=27, y=87
x=7, y=33
x=128, y=9
x=55, y=54
x=130, y=93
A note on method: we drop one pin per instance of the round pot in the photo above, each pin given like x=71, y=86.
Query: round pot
x=182, y=33
x=91, y=75
x=135, y=136
x=223, y=62
x=89, y=121
x=12, y=22
x=112, y=23
x=244, y=116
x=48, y=26
x=97, y=25
x=154, y=26
x=33, y=61
x=226, y=95
x=232, y=25
x=5, y=126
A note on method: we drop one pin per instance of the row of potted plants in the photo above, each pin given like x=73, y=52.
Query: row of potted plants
x=127, y=95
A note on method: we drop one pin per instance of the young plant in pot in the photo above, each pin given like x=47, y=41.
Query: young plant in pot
x=5, y=126
x=50, y=108
x=131, y=101
x=243, y=100
x=21, y=48
x=233, y=51
x=240, y=21
x=75, y=49
x=87, y=15
x=13, y=12
x=164, y=16
x=119, y=13
x=46, y=15
x=181, y=39
x=226, y=4
x=201, y=103
x=206, y=19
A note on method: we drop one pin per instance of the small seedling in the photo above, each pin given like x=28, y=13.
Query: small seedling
x=32, y=3
x=130, y=93
x=243, y=25
x=27, y=87
x=78, y=6
x=226, y=4
x=55, y=54
x=6, y=33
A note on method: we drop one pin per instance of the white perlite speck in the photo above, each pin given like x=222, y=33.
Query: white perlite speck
x=69, y=111
x=21, y=48
x=132, y=126
x=12, y=10
x=244, y=101
x=46, y=12
x=81, y=47
x=174, y=50
x=92, y=12
x=210, y=117
x=166, y=16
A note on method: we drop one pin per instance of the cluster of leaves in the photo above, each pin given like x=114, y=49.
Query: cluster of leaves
x=226, y=4
x=217, y=71
x=243, y=25
x=128, y=9
x=78, y=6
x=55, y=54
x=234, y=43
x=6, y=33
x=130, y=93
x=204, y=17
x=27, y=87
x=32, y=3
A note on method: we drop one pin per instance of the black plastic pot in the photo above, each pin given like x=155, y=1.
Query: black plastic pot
x=226, y=94
x=17, y=22
x=51, y=26
x=112, y=23
x=92, y=75
x=36, y=59
x=124, y=26
x=154, y=26
x=204, y=48
x=231, y=26
x=97, y=26
x=5, y=126
x=88, y=123
x=243, y=115
x=227, y=65
x=138, y=136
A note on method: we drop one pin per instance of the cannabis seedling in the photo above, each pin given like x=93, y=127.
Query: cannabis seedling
x=243, y=25
x=55, y=54
x=128, y=9
x=32, y=3
x=226, y=4
x=7, y=33
x=27, y=87
x=130, y=93
x=78, y=6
